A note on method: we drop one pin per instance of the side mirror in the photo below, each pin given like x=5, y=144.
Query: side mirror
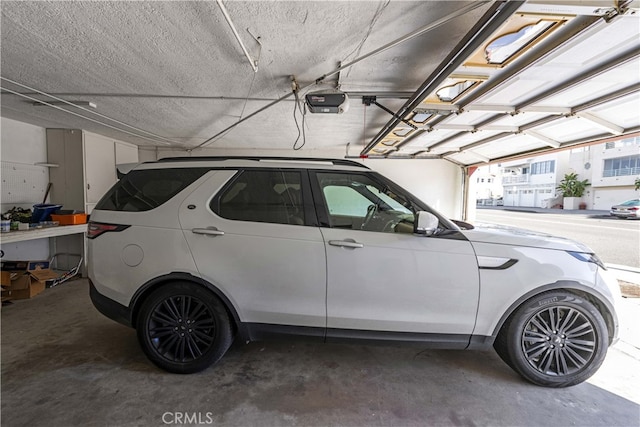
x=462, y=224
x=426, y=223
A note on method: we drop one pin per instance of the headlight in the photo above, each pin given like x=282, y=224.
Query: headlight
x=586, y=257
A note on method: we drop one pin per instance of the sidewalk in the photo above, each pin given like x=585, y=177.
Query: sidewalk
x=586, y=212
x=625, y=273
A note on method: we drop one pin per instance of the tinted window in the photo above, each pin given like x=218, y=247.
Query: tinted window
x=357, y=202
x=143, y=190
x=263, y=196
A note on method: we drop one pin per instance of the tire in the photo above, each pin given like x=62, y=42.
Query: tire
x=183, y=328
x=556, y=339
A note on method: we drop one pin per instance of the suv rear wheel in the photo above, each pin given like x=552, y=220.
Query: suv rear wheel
x=556, y=339
x=183, y=328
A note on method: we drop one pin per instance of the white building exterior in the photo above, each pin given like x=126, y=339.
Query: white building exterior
x=611, y=168
x=487, y=184
x=532, y=182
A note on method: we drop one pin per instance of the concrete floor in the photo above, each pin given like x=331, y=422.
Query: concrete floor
x=64, y=364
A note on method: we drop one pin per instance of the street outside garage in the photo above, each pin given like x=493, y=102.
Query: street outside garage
x=63, y=363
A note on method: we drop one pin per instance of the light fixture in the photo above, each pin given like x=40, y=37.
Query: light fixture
x=75, y=103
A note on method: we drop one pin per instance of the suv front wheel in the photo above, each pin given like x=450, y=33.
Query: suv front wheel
x=556, y=339
x=183, y=328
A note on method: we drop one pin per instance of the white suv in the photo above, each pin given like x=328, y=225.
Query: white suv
x=193, y=252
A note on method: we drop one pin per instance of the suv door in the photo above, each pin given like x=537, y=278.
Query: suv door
x=382, y=277
x=257, y=240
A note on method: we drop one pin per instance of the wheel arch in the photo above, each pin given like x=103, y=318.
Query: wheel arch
x=593, y=296
x=152, y=285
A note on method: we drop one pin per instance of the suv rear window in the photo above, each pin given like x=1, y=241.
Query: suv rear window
x=143, y=190
x=273, y=196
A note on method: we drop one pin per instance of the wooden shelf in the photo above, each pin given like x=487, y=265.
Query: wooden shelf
x=42, y=233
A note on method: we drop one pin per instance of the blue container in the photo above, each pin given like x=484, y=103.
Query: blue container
x=43, y=211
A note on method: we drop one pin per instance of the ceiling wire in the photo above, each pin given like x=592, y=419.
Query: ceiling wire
x=156, y=138
x=468, y=8
x=253, y=79
x=81, y=116
x=378, y=13
x=299, y=105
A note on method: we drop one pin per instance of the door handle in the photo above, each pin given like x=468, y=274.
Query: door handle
x=209, y=231
x=348, y=243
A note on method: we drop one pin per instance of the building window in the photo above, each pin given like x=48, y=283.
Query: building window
x=628, y=142
x=543, y=167
x=622, y=166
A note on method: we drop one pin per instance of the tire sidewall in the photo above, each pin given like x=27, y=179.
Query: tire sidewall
x=543, y=302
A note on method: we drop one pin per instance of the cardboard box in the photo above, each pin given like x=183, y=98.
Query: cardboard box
x=31, y=291
x=5, y=278
x=25, y=279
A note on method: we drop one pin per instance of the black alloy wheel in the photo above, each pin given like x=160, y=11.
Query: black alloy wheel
x=183, y=328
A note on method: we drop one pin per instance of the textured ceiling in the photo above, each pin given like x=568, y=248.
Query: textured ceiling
x=115, y=53
x=172, y=74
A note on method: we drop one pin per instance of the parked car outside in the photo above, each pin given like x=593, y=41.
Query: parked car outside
x=629, y=209
x=194, y=252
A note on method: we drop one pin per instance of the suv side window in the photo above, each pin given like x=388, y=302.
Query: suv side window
x=272, y=195
x=145, y=189
x=357, y=202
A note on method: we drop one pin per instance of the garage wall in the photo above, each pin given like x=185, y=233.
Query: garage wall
x=436, y=182
x=23, y=183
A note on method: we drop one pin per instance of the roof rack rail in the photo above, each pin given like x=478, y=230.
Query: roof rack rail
x=343, y=162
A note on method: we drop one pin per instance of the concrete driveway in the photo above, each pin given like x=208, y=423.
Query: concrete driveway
x=64, y=364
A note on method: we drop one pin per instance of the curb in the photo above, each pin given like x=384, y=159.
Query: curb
x=625, y=273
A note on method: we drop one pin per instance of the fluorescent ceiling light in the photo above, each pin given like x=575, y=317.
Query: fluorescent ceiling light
x=76, y=103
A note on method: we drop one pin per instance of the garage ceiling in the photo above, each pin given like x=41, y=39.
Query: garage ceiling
x=173, y=74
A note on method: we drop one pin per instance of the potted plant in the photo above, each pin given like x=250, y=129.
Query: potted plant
x=572, y=190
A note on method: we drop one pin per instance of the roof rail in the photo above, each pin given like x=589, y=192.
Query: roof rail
x=343, y=162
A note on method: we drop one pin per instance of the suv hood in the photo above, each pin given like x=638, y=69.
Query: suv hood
x=502, y=235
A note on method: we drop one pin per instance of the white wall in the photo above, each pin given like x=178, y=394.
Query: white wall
x=436, y=182
x=22, y=145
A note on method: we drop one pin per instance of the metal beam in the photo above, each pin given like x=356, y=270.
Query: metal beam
x=498, y=13
x=620, y=93
x=506, y=109
x=539, y=137
x=583, y=142
x=544, y=49
x=601, y=123
x=481, y=142
x=582, y=77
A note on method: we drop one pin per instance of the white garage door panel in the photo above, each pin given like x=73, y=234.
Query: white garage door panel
x=604, y=198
